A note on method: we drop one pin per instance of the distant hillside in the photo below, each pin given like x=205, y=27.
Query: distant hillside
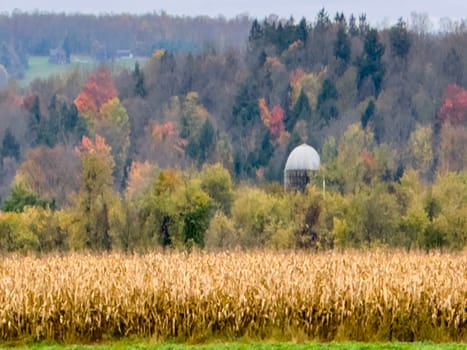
x=127, y=154
x=24, y=34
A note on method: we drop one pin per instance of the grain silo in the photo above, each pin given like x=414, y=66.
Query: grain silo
x=302, y=161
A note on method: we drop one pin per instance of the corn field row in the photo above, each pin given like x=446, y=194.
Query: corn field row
x=193, y=296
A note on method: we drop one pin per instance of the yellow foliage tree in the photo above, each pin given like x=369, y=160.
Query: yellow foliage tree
x=310, y=83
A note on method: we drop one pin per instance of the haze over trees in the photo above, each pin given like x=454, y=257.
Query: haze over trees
x=188, y=148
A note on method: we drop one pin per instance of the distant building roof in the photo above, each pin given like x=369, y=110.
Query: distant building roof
x=124, y=53
x=303, y=157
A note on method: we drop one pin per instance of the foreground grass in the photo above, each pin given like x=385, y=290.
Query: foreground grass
x=198, y=297
x=252, y=345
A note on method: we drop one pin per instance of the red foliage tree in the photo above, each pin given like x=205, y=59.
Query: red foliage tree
x=276, y=124
x=98, y=89
x=454, y=108
x=273, y=120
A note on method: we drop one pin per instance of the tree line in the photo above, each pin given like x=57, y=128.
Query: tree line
x=386, y=109
x=24, y=34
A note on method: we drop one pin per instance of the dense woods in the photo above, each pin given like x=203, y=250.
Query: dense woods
x=188, y=148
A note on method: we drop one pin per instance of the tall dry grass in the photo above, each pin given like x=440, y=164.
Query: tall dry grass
x=350, y=295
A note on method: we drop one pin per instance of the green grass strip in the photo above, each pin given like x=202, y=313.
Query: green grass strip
x=245, y=346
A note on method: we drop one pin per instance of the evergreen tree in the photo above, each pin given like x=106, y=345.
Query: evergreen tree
x=363, y=26
x=353, y=29
x=367, y=114
x=206, y=141
x=342, y=47
x=245, y=110
x=302, y=31
x=369, y=64
x=326, y=104
x=453, y=66
x=322, y=21
x=10, y=146
x=399, y=38
x=256, y=32
x=20, y=198
x=138, y=78
x=265, y=151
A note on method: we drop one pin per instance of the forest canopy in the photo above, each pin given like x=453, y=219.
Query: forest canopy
x=188, y=146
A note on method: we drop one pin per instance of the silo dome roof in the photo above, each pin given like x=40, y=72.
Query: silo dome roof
x=303, y=157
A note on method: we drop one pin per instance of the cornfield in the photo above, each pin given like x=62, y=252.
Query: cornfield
x=194, y=296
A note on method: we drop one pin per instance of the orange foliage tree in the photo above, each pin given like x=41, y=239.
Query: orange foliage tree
x=161, y=131
x=105, y=115
x=98, y=89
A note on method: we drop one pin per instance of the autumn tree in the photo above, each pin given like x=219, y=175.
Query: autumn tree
x=452, y=152
x=196, y=129
x=306, y=208
x=51, y=172
x=95, y=195
x=414, y=221
x=272, y=119
x=113, y=124
x=260, y=218
x=221, y=233
x=175, y=212
x=97, y=90
x=355, y=158
x=419, y=149
x=450, y=223
x=454, y=107
x=217, y=183
x=371, y=217
x=140, y=177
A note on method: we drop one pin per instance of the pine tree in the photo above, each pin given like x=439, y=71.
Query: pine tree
x=369, y=64
x=138, y=78
x=10, y=146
